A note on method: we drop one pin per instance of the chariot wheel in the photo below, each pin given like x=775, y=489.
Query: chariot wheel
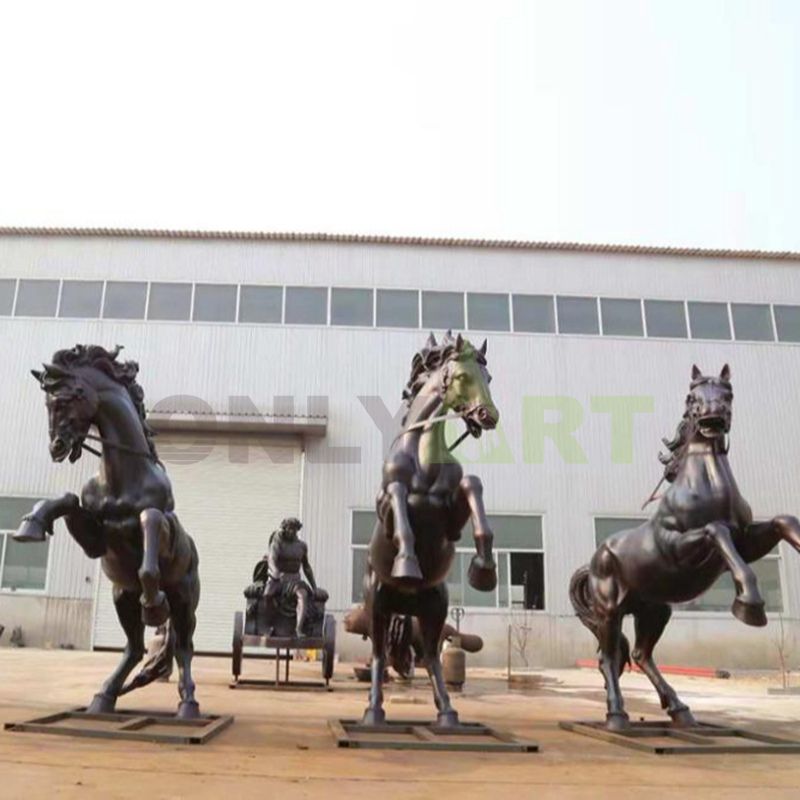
x=238, y=645
x=328, y=647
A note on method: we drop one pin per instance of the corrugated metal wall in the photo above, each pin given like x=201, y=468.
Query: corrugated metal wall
x=216, y=361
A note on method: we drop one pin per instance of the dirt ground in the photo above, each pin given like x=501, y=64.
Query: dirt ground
x=280, y=745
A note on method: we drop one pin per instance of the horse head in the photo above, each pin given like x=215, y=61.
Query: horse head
x=709, y=404
x=455, y=371
x=72, y=404
x=73, y=384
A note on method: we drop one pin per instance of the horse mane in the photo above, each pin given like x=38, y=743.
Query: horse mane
x=431, y=357
x=675, y=445
x=123, y=372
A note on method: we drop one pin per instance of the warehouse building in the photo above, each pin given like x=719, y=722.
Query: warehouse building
x=273, y=367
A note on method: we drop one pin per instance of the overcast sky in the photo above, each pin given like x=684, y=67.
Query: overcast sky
x=671, y=122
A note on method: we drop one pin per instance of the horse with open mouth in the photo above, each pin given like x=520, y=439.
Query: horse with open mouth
x=424, y=502
x=125, y=515
x=701, y=528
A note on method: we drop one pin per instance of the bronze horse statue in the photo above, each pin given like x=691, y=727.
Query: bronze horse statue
x=424, y=502
x=125, y=515
x=701, y=528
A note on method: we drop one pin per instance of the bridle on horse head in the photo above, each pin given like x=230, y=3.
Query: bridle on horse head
x=108, y=443
x=433, y=420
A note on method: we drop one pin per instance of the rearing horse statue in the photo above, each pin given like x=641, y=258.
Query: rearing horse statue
x=701, y=528
x=424, y=502
x=125, y=515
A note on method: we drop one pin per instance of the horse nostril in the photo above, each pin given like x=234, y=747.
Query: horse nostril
x=485, y=417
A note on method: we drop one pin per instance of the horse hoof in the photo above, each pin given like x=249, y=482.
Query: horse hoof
x=102, y=704
x=447, y=719
x=374, y=716
x=188, y=709
x=618, y=721
x=482, y=576
x=406, y=569
x=31, y=529
x=157, y=613
x=749, y=613
x=683, y=718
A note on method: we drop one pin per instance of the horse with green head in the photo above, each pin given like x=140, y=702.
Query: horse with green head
x=424, y=502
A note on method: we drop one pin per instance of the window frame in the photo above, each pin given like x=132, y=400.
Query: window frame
x=5, y=533
x=471, y=551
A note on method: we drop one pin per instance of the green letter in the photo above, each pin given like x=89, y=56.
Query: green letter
x=535, y=429
x=622, y=410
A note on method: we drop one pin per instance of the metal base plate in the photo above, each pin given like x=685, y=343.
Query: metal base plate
x=139, y=726
x=425, y=735
x=662, y=738
x=282, y=686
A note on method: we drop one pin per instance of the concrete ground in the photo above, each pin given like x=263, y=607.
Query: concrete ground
x=280, y=746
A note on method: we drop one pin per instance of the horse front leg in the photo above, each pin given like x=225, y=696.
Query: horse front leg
x=748, y=605
x=83, y=527
x=482, y=573
x=405, y=566
x=155, y=536
x=127, y=608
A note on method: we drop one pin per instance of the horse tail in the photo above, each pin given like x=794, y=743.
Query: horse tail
x=581, y=596
x=399, y=644
x=158, y=665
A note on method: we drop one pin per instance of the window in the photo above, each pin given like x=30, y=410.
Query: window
x=260, y=304
x=577, y=315
x=351, y=307
x=608, y=526
x=363, y=523
x=720, y=596
x=170, y=301
x=443, y=310
x=709, y=320
x=81, y=299
x=7, y=288
x=665, y=318
x=398, y=308
x=37, y=298
x=752, y=322
x=787, y=320
x=519, y=552
x=23, y=565
x=621, y=317
x=125, y=300
x=488, y=312
x=534, y=313
x=214, y=302
x=306, y=306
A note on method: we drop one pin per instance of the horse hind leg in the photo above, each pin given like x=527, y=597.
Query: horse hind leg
x=650, y=621
x=155, y=532
x=431, y=623
x=374, y=714
x=129, y=614
x=183, y=601
x=607, y=615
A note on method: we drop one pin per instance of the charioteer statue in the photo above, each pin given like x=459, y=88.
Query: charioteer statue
x=284, y=599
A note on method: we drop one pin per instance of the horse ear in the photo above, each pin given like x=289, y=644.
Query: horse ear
x=37, y=374
x=54, y=371
x=482, y=349
x=696, y=372
x=459, y=342
x=431, y=340
x=725, y=375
